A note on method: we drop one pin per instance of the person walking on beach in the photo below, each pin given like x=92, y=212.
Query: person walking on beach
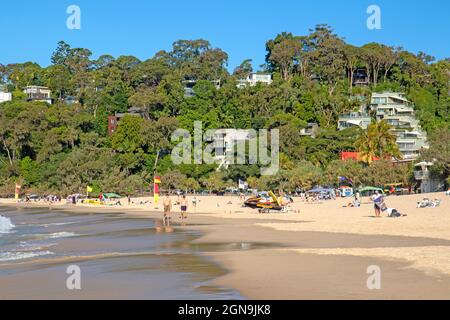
x=184, y=207
x=167, y=209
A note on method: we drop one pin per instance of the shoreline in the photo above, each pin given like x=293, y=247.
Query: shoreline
x=299, y=256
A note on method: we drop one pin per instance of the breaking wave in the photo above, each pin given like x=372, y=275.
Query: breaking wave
x=14, y=256
x=56, y=235
x=5, y=225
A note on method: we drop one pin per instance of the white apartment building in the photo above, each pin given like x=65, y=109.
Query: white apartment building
x=37, y=93
x=396, y=110
x=255, y=78
x=226, y=141
x=354, y=119
x=4, y=96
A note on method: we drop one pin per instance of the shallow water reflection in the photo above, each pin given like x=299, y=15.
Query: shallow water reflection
x=120, y=258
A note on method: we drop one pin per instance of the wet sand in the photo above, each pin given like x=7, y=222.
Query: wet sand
x=282, y=271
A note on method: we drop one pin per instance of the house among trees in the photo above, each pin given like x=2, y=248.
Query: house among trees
x=70, y=100
x=225, y=141
x=37, y=93
x=361, y=78
x=190, y=84
x=313, y=73
x=398, y=112
x=113, y=121
x=310, y=130
x=254, y=78
x=4, y=94
x=354, y=119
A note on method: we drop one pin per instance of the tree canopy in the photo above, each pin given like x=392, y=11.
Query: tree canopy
x=61, y=148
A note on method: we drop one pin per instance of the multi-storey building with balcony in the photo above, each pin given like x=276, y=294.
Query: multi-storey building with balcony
x=254, y=78
x=396, y=110
x=354, y=119
x=428, y=182
x=37, y=93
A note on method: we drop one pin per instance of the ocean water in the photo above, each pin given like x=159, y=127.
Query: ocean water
x=119, y=258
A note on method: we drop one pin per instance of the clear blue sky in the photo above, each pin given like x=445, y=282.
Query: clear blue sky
x=30, y=29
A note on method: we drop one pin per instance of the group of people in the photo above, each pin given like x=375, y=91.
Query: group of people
x=380, y=206
x=167, y=204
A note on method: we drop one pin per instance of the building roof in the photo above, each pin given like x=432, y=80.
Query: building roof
x=350, y=155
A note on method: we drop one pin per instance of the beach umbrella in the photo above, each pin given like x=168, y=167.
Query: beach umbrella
x=368, y=189
x=111, y=196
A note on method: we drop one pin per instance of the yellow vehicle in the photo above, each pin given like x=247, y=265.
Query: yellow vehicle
x=266, y=204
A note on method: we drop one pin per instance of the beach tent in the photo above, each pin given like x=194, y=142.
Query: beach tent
x=371, y=189
x=111, y=196
x=346, y=191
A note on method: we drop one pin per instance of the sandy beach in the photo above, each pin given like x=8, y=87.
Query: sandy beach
x=318, y=251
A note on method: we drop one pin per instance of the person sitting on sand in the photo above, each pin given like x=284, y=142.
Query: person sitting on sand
x=167, y=203
x=354, y=204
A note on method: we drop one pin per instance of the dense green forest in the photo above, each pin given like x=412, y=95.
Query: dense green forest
x=62, y=148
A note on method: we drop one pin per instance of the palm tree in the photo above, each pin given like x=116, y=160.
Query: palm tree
x=377, y=141
x=366, y=147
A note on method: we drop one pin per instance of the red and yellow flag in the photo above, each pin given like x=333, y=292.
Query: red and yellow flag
x=156, y=183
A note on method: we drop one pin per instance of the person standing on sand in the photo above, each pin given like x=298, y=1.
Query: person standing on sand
x=357, y=197
x=194, y=203
x=184, y=207
x=377, y=199
x=167, y=209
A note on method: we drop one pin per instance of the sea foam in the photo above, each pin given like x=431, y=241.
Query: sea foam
x=56, y=235
x=5, y=225
x=14, y=256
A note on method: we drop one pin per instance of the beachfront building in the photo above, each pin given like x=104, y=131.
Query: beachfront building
x=190, y=84
x=4, y=94
x=38, y=93
x=428, y=183
x=397, y=111
x=225, y=145
x=254, y=78
x=354, y=119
